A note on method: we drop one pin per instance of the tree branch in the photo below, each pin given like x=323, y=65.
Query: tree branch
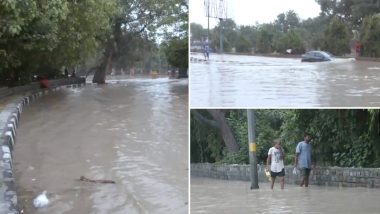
x=198, y=116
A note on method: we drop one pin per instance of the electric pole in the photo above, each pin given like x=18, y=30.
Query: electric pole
x=252, y=149
x=208, y=21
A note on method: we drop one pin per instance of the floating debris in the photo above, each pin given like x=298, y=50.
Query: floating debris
x=82, y=178
x=41, y=200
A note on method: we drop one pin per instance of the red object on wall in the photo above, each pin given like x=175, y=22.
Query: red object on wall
x=44, y=83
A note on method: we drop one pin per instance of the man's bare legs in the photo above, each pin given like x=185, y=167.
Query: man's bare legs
x=305, y=180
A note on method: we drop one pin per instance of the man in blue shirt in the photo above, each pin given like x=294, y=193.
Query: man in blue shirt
x=303, y=159
x=206, y=51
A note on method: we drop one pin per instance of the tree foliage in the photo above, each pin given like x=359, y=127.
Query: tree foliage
x=369, y=36
x=197, y=32
x=290, y=40
x=287, y=21
x=43, y=37
x=141, y=19
x=351, y=12
x=332, y=31
x=46, y=35
x=340, y=137
x=265, y=38
x=336, y=38
x=177, y=53
x=176, y=46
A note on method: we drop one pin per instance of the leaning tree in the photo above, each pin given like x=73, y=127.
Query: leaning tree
x=136, y=17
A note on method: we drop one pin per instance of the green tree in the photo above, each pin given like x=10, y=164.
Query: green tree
x=243, y=45
x=287, y=21
x=265, y=38
x=340, y=137
x=337, y=38
x=177, y=54
x=205, y=139
x=369, y=36
x=29, y=29
x=197, y=32
x=351, y=11
x=140, y=17
x=249, y=33
x=230, y=34
x=83, y=32
x=312, y=31
x=290, y=40
x=39, y=37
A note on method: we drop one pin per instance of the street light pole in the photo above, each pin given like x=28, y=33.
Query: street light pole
x=252, y=149
x=208, y=21
x=221, y=35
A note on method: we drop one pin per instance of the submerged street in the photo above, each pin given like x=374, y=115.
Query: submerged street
x=253, y=81
x=221, y=196
x=131, y=131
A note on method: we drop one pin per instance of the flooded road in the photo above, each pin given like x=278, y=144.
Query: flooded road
x=221, y=196
x=134, y=132
x=253, y=81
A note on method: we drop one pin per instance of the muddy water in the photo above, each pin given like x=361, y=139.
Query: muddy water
x=251, y=81
x=220, y=196
x=133, y=132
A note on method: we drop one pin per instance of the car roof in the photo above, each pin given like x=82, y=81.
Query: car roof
x=321, y=52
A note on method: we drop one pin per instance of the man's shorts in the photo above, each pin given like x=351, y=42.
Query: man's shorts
x=279, y=174
x=305, y=172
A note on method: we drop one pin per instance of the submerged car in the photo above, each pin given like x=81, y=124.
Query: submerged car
x=316, y=56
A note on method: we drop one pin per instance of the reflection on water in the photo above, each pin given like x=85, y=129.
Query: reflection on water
x=251, y=81
x=133, y=132
x=220, y=196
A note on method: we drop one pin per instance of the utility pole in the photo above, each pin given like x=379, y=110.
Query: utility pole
x=208, y=21
x=216, y=9
x=252, y=149
x=221, y=35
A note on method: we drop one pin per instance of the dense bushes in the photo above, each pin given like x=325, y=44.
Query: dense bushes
x=341, y=137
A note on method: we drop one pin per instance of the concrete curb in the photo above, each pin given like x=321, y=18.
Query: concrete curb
x=322, y=176
x=9, y=121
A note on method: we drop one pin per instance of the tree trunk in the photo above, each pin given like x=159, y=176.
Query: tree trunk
x=100, y=73
x=111, y=48
x=225, y=130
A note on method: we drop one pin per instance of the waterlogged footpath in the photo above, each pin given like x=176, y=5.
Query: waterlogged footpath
x=222, y=196
x=133, y=132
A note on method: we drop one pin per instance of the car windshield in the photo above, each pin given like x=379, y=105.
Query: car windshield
x=317, y=54
x=324, y=54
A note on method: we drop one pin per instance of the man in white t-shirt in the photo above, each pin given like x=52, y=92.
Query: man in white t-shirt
x=276, y=161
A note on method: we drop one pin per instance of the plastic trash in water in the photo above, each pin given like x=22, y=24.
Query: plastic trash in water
x=41, y=200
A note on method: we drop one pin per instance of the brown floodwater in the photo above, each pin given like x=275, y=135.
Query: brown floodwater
x=221, y=196
x=253, y=81
x=131, y=131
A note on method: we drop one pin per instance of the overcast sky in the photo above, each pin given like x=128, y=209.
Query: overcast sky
x=248, y=12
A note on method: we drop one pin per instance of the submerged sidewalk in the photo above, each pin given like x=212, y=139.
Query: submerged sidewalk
x=12, y=102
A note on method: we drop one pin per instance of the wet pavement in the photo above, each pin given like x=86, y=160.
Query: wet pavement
x=131, y=131
x=221, y=196
x=253, y=81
